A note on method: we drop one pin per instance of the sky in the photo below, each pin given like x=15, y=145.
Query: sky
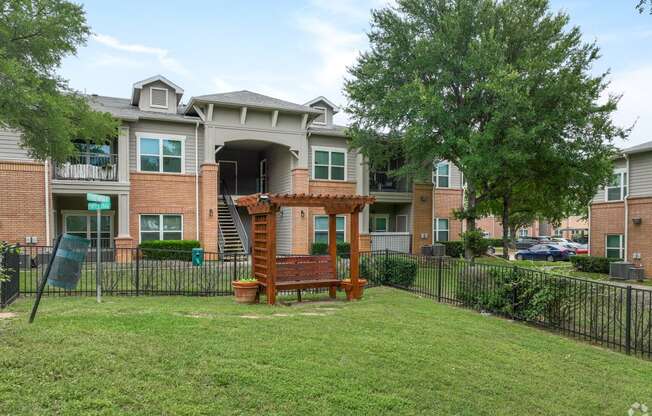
x=299, y=50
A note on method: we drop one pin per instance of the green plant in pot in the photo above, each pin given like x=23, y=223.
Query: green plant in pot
x=246, y=290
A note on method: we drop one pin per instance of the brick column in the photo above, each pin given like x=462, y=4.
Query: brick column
x=365, y=243
x=421, y=216
x=208, y=192
x=124, y=249
x=300, y=224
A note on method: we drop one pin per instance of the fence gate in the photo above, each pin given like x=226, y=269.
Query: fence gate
x=10, y=289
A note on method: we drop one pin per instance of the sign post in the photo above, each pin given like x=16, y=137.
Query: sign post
x=97, y=203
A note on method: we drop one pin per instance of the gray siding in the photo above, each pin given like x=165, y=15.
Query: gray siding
x=144, y=104
x=336, y=142
x=10, y=146
x=280, y=181
x=163, y=128
x=455, y=177
x=640, y=170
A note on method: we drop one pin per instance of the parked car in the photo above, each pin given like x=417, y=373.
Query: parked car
x=548, y=252
x=582, y=249
x=527, y=242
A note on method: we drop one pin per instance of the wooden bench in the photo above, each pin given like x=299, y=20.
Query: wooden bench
x=306, y=272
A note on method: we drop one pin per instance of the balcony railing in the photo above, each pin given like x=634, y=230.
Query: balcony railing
x=89, y=167
x=381, y=182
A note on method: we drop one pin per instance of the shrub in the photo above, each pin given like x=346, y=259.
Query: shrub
x=395, y=271
x=494, y=242
x=591, y=264
x=513, y=292
x=343, y=249
x=454, y=248
x=475, y=241
x=168, y=249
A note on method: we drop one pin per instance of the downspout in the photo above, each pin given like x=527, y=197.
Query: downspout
x=47, y=203
x=625, y=201
x=196, y=182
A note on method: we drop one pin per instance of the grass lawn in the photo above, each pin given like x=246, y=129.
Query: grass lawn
x=391, y=353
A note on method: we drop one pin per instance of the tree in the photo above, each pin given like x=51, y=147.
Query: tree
x=643, y=5
x=35, y=35
x=500, y=89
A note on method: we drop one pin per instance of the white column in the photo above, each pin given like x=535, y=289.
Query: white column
x=123, y=154
x=362, y=188
x=123, y=215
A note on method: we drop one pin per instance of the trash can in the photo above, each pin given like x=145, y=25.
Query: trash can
x=197, y=256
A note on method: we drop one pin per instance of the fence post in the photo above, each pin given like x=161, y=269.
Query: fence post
x=235, y=266
x=137, y=271
x=514, y=293
x=628, y=320
x=439, y=267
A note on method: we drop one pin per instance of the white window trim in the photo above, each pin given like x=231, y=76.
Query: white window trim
x=621, y=243
x=435, y=175
x=623, y=185
x=407, y=225
x=167, y=93
x=319, y=123
x=315, y=149
x=314, y=226
x=160, y=231
x=373, y=219
x=436, y=229
x=160, y=138
x=68, y=213
x=520, y=232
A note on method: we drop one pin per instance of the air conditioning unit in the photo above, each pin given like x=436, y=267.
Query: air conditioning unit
x=438, y=250
x=619, y=270
x=636, y=273
x=426, y=250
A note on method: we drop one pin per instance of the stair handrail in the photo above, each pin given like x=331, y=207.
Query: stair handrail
x=222, y=242
x=228, y=200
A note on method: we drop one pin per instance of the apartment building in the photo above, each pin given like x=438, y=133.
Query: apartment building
x=620, y=220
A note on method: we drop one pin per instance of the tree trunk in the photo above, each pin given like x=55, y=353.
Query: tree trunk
x=505, y=221
x=471, y=217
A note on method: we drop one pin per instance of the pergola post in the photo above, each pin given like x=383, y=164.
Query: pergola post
x=271, y=257
x=332, y=245
x=355, y=252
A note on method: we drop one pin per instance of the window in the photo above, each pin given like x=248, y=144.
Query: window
x=441, y=174
x=321, y=228
x=321, y=120
x=158, y=97
x=523, y=232
x=615, y=247
x=380, y=223
x=329, y=164
x=161, y=227
x=160, y=153
x=616, y=190
x=440, y=229
x=84, y=224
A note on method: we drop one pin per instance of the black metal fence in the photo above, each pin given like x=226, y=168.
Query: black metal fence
x=9, y=289
x=614, y=316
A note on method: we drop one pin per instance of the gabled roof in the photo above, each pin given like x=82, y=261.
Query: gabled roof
x=135, y=95
x=643, y=147
x=122, y=108
x=335, y=108
x=246, y=98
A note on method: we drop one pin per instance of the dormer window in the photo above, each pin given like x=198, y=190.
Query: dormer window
x=321, y=120
x=158, y=97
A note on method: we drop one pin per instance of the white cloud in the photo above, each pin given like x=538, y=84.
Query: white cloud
x=222, y=85
x=162, y=55
x=635, y=85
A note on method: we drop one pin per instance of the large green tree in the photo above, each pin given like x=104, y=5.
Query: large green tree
x=35, y=35
x=503, y=90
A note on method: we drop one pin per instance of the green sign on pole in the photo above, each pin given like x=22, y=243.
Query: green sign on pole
x=97, y=203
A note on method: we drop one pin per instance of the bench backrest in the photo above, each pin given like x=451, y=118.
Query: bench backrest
x=298, y=268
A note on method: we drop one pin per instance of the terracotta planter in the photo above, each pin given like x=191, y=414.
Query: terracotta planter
x=348, y=288
x=245, y=292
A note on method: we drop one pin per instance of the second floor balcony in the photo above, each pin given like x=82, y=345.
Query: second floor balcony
x=382, y=182
x=88, y=166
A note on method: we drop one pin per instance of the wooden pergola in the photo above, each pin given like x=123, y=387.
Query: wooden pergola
x=263, y=209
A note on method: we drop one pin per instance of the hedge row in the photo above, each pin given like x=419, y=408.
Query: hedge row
x=591, y=264
x=317, y=249
x=168, y=249
x=389, y=271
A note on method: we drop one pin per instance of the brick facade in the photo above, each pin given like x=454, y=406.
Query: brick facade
x=22, y=204
x=639, y=235
x=326, y=188
x=162, y=194
x=300, y=223
x=208, y=192
x=606, y=218
x=446, y=202
x=421, y=216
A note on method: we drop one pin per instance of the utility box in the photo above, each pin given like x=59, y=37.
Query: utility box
x=619, y=269
x=197, y=256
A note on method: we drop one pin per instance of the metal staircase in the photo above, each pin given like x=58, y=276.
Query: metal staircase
x=233, y=238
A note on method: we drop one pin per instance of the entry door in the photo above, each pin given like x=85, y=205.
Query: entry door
x=263, y=175
x=229, y=175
